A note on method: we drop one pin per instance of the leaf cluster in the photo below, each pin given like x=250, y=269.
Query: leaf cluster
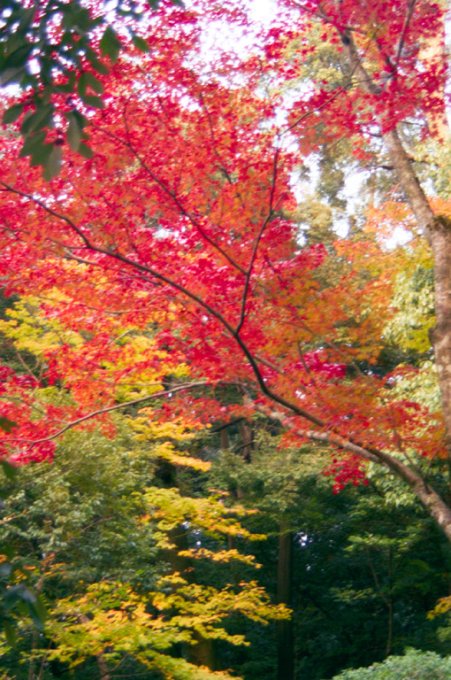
x=56, y=52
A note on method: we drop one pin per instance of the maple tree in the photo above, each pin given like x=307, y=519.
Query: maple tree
x=181, y=229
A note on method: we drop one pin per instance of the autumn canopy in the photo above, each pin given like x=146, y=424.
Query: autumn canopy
x=172, y=257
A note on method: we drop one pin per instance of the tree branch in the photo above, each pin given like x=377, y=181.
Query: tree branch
x=115, y=407
x=259, y=237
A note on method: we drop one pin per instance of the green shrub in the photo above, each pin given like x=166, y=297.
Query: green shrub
x=415, y=665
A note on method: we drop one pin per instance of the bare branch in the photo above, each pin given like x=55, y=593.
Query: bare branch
x=402, y=37
x=109, y=409
x=255, y=248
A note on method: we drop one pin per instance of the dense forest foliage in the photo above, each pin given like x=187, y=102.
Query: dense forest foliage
x=225, y=348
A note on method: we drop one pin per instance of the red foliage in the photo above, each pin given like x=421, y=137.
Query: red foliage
x=178, y=230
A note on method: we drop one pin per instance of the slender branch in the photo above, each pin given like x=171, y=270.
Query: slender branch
x=430, y=499
x=49, y=210
x=251, y=358
x=396, y=151
x=404, y=30
x=339, y=442
x=109, y=409
x=146, y=270
x=331, y=437
x=255, y=248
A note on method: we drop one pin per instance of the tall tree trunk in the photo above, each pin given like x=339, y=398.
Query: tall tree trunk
x=247, y=439
x=436, y=227
x=103, y=668
x=285, y=633
x=438, y=231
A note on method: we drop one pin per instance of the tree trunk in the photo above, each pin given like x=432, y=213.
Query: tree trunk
x=247, y=440
x=103, y=668
x=438, y=231
x=285, y=636
x=440, y=239
x=202, y=653
x=436, y=227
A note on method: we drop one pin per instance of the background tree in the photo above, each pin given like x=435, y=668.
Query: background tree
x=367, y=557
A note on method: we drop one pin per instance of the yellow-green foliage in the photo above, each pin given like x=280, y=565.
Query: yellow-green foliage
x=414, y=302
x=32, y=332
x=111, y=620
x=208, y=514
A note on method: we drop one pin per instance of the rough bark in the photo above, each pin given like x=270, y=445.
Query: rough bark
x=437, y=228
x=440, y=239
x=438, y=231
x=430, y=499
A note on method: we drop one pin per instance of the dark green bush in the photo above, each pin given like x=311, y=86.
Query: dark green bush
x=415, y=665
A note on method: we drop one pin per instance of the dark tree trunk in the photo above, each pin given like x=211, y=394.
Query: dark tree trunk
x=285, y=633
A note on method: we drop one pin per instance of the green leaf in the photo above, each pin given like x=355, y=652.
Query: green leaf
x=31, y=142
x=81, y=20
x=37, y=120
x=11, y=75
x=9, y=470
x=95, y=62
x=6, y=424
x=40, y=154
x=140, y=43
x=52, y=165
x=110, y=45
x=82, y=121
x=17, y=58
x=85, y=150
x=13, y=113
x=13, y=595
x=10, y=634
x=93, y=82
x=25, y=17
x=38, y=612
x=88, y=80
x=74, y=131
x=92, y=100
